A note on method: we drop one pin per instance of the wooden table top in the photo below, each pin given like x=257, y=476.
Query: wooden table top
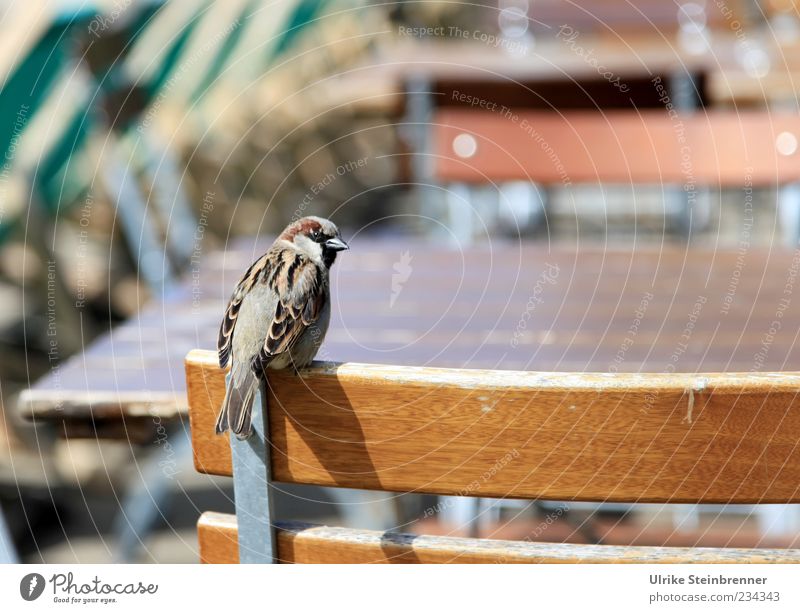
x=521, y=306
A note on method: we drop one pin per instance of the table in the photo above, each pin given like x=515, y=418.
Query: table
x=509, y=306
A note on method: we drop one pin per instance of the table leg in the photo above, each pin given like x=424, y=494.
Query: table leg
x=460, y=214
x=8, y=554
x=365, y=510
x=146, y=501
x=461, y=512
x=686, y=98
x=789, y=213
x=776, y=520
x=685, y=517
x=416, y=131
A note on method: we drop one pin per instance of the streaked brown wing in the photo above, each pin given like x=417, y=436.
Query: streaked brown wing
x=258, y=270
x=301, y=296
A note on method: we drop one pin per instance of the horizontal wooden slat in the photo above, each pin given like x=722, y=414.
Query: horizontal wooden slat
x=597, y=437
x=718, y=148
x=308, y=544
x=51, y=404
x=217, y=537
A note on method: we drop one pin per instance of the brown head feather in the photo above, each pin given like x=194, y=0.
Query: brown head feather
x=306, y=226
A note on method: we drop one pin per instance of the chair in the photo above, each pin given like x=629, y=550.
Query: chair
x=587, y=437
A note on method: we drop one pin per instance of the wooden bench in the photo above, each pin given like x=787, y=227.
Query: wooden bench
x=722, y=438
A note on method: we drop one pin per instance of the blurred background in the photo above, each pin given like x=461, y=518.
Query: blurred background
x=144, y=140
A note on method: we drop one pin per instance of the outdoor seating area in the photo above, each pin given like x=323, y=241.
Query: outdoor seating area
x=563, y=321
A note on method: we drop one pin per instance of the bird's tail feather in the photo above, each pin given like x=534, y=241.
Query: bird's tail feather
x=237, y=408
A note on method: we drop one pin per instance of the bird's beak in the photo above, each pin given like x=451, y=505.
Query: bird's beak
x=336, y=244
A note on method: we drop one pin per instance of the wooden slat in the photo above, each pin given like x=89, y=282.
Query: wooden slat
x=52, y=404
x=218, y=538
x=308, y=544
x=717, y=148
x=598, y=437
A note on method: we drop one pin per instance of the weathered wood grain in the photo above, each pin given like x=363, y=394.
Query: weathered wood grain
x=718, y=148
x=300, y=543
x=597, y=437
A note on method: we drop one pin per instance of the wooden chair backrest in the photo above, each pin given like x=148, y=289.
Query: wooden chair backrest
x=722, y=438
x=718, y=148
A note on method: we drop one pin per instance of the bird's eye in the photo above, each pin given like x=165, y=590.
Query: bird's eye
x=316, y=235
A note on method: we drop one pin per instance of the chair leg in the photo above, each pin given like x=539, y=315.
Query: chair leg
x=251, y=488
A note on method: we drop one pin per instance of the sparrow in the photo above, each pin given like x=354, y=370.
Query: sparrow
x=277, y=316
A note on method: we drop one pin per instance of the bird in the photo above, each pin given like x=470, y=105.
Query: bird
x=277, y=316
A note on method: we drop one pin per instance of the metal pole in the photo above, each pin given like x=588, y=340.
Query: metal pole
x=251, y=484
